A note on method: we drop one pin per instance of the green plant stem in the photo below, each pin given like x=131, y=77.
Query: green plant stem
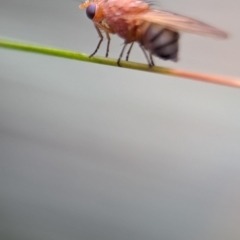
x=112, y=62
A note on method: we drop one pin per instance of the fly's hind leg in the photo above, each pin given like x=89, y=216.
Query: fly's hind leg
x=99, y=43
x=150, y=61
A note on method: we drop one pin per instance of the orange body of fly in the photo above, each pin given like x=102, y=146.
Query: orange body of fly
x=156, y=31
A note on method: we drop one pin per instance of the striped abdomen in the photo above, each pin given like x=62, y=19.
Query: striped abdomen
x=159, y=41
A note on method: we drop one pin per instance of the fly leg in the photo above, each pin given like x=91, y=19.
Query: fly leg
x=151, y=59
x=99, y=43
x=101, y=27
x=108, y=44
x=129, y=50
x=150, y=62
x=121, y=54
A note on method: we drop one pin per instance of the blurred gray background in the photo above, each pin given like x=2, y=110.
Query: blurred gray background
x=97, y=152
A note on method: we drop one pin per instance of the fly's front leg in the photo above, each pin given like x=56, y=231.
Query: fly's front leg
x=108, y=43
x=103, y=27
x=99, y=43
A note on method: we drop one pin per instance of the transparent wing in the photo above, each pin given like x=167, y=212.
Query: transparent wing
x=177, y=22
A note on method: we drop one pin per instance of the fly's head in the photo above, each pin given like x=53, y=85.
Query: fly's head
x=94, y=9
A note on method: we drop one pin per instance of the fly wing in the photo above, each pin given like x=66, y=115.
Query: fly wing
x=177, y=22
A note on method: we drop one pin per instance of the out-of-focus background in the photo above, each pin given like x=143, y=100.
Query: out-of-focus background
x=97, y=152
